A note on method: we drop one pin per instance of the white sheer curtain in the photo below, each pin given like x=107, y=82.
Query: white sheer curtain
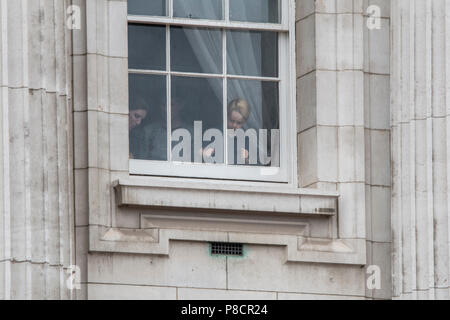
x=252, y=64
x=203, y=43
x=206, y=50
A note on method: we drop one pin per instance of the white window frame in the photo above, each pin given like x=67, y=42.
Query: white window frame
x=287, y=172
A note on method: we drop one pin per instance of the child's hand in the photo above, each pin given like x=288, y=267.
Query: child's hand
x=207, y=153
x=244, y=153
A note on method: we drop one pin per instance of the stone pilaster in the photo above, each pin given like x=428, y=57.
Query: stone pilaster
x=36, y=204
x=420, y=109
x=377, y=144
x=330, y=106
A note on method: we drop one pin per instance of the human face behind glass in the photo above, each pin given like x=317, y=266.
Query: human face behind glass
x=235, y=120
x=136, y=117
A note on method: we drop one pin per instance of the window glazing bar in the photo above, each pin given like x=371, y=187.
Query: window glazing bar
x=207, y=23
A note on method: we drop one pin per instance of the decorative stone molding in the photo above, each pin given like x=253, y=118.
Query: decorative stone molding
x=156, y=241
x=211, y=212
x=178, y=193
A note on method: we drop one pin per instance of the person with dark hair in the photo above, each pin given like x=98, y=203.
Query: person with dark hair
x=137, y=115
x=155, y=136
x=147, y=135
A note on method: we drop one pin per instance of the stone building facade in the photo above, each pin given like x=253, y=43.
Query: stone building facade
x=363, y=212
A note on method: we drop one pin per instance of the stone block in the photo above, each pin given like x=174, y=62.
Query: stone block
x=382, y=257
x=380, y=158
x=119, y=150
x=189, y=265
x=326, y=83
x=79, y=83
x=352, y=210
x=264, y=269
x=81, y=252
x=127, y=292
x=118, y=85
x=117, y=29
x=380, y=214
x=325, y=36
x=307, y=157
x=81, y=197
x=307, y=296
x=306, y=45
x=304, y=8
x=306, y=102
x=226, y=295
x=327, y=153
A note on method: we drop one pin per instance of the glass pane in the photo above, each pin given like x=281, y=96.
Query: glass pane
x=146, y=47
x=197, y=120
x=253, y=134
x=252, y=53
x=148, y=117
x=196, y=50
x=198, y=9
x=255, y=10
x=147, y=7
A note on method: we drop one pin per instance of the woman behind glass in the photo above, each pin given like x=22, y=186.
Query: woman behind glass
x=147, y=132
x=137, y=116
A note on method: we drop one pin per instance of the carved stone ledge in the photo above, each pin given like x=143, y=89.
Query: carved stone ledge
x=208, y=211
x=206, y=195
x=298, y=248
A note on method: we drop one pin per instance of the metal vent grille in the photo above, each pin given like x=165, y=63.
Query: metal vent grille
x=227, y=249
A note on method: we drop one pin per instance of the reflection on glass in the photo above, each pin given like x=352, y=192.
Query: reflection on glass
x=196, y=50
x=148, y=117
x=147, y=7
x=253, y=135
x=146, y=47
x=198, y=9
x=255, y=10
x=197, y=120
x=252, y=53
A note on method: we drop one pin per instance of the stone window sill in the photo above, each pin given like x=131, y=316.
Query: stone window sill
x=211, y=211
x=209, y=195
